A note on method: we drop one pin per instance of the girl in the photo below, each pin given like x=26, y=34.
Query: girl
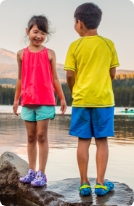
x=37, y=79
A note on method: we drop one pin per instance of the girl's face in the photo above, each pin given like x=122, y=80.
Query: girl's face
x=36, y=36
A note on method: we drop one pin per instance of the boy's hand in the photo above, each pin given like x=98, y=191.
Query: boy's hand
x=15, y=108
x=70, y=76
x=112, y=73
x=63, y=106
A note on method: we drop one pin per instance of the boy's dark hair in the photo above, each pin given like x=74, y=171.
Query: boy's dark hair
x=41, y=22
x=90, y=14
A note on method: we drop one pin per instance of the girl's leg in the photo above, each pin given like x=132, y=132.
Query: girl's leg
x=42, y=129
x=82, y=158
x=101, y=158
x=32, y=144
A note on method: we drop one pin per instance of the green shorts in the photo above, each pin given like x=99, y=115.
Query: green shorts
x=36, y=113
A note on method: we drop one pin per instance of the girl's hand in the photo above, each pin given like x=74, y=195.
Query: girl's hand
x=15, y=108
x=63, y=106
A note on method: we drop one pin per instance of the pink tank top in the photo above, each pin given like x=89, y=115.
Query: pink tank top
x=37, y=83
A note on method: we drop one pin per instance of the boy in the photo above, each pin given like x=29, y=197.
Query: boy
x=91, y=66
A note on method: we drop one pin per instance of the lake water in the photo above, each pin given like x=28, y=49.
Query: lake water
x=62, y=154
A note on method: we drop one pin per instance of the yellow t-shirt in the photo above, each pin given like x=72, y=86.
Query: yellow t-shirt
x=91, y=58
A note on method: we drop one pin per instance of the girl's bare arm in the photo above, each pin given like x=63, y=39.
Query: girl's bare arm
x=18, y=83
x=56, y=81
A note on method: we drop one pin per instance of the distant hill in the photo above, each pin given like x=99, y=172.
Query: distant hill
x=121, y=71
x=7, y=57
x=8, y=67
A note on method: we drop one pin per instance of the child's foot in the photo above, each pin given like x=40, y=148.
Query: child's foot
x=28, y=178
x=101, y=190
x=39, y=180
x=85, y=189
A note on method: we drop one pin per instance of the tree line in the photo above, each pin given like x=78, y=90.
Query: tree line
x=6, y=95
x=123, y=91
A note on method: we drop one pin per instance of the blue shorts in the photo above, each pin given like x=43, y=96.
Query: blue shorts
x=92, y=122
x=36, y=113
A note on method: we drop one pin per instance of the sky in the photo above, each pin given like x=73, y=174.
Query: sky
x=117, y=24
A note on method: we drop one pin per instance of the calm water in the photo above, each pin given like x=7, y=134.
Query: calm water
x=62, y=154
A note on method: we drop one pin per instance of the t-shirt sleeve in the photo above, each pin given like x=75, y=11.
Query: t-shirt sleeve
x=115, y=61
x=70, y=60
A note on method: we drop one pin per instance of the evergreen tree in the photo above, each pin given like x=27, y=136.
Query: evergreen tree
x=123, y=92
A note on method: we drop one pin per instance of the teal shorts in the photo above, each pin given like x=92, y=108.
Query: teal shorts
x=37, y=113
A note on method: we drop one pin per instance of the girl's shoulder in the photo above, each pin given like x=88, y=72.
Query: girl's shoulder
x=51, y=54
x=20, y=54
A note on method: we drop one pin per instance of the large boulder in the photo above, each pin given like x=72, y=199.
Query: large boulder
x=57, y=193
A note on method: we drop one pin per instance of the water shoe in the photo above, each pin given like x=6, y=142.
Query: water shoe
x=40, y=180
x=28, y=178
x=101, y=190
x=85, y=189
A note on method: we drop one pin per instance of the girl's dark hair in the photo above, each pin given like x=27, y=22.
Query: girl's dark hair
x=41, y=22
x=90, y=14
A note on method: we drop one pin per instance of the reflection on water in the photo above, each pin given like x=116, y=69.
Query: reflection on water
x=13, y=133
x=124, y=129
x=62, y=155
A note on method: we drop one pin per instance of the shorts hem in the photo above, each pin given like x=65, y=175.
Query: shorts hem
x=90, y=137
x=28, y=120
x=36, y=120
x=79, y=136
x=103, y=136
x=51, y=118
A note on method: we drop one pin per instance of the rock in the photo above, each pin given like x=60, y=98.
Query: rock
x=14, y=200
x=60, y=193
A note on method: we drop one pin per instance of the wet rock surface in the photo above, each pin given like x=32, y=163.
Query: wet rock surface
x=15, y=201
x=57, y=193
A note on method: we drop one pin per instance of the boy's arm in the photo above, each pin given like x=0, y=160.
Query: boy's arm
x=18, y=83
x=112, y=73
x=70, y=66
x=70, y=76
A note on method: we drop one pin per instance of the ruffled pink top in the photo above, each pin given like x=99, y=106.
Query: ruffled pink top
x=37, y=83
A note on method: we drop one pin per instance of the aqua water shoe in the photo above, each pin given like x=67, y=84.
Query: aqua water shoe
x=85, y=189
x=101, y=190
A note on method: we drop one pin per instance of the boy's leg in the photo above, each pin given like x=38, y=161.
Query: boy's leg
x=42, y=130
x=103, y=125
x=102, y=187
x=81, y=127
x=32, y=146
x=82, y=158
x=101, y=158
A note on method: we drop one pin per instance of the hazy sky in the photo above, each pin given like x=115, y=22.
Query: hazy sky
x=117, y=24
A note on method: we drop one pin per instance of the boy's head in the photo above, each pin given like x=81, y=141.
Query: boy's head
x=89, y=14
